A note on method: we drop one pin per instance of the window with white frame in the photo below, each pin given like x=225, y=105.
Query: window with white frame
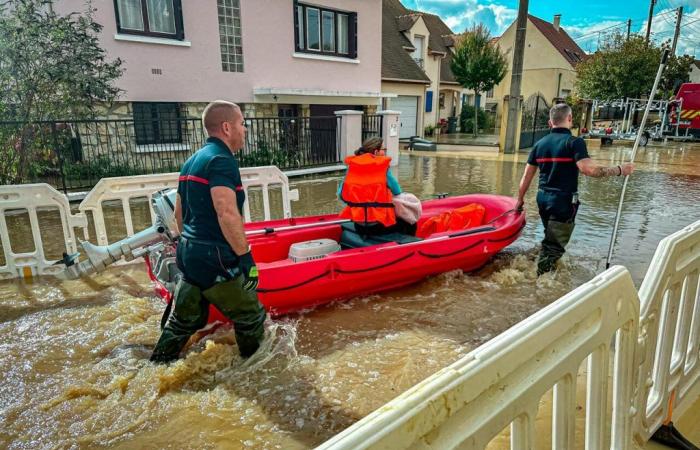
x=231, y=45
x=325, y=31
x=155, y=18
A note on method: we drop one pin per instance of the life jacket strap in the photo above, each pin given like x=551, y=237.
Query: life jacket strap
x=368, y=204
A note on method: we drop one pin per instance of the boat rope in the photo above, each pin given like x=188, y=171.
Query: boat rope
x=294, y=286
x=443, y=255
x=381, y=266
x=510, y=236
x=344, y=271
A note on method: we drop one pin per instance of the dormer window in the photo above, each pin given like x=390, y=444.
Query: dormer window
x=419, y=45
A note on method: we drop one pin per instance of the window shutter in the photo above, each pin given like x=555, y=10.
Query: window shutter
x=295, y=13
x=179, y=26
x=353, y=35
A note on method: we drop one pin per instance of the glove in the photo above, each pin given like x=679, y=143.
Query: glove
x=249, y=270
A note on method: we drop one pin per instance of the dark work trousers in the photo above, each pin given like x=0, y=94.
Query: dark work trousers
x=202, y=265
x=558, y=213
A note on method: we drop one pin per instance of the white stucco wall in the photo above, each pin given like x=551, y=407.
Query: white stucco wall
x=542, y=65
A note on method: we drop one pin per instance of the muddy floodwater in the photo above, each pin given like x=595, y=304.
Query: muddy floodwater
x=74, y=354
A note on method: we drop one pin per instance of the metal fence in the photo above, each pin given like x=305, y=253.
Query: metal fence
x=291, y=142
x=76, y=154
x=371, y=126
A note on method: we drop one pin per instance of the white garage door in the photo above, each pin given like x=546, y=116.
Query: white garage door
x=408, y=105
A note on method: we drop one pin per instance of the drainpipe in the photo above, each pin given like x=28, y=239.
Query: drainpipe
x=437, y=109
x=559, y=86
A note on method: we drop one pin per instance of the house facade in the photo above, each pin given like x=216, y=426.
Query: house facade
x=273, y=57
x=416, y=79
x=694, y=76
x=549, y=65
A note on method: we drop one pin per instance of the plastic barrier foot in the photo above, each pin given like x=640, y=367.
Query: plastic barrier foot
x=671, y=437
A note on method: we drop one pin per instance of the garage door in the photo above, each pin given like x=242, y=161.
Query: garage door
x=408, y=105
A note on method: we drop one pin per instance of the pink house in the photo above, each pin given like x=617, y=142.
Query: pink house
x=274, y=57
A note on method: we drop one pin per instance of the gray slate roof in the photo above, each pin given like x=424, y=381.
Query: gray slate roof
x=397, y=62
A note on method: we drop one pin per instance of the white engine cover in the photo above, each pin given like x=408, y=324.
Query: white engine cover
x=316, y=249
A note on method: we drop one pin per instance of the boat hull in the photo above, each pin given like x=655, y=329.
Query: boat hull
x=286, y=286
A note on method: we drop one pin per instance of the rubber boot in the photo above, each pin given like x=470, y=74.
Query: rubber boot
x=190, y=313
x=556, y=236
x=671, y=437
x=243, y=309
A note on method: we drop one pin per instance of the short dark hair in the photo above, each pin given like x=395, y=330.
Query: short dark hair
x=559, y=113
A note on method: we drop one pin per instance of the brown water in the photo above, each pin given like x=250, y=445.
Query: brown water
x=74, y=354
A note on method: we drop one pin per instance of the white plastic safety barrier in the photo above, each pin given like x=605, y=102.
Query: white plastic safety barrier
x=668, y=366
x=123, y=189
x=501, y=383
x=32, y=198
x=126, y=188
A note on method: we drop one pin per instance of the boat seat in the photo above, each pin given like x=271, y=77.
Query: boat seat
x=350, y=238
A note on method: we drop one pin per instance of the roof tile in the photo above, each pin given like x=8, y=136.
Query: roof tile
x=561, y=40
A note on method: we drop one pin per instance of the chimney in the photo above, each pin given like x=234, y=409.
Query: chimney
x=557, y=19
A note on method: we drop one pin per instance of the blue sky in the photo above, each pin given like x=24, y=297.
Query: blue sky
x=582, y=19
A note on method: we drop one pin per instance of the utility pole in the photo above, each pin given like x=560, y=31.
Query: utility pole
x=651, y=15
x=678, y=30
x=629, y=28
x=516, y=77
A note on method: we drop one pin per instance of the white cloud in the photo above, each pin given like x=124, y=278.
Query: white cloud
x=460, y=14
x=663, y=27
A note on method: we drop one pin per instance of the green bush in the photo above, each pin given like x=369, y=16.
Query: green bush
x=100, y=167
x=466, y=119
x=265, y=155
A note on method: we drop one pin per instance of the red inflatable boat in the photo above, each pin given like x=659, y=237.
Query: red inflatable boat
x=355, y=265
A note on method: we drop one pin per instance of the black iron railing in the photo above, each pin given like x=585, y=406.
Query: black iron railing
x=371, y=126
x=291, y=142
x=76, y=154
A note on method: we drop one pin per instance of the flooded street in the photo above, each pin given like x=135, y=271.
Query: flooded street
x=74, y=354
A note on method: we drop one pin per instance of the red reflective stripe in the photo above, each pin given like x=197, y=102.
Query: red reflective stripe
x=544, y=160
x=194, y=178
x=239, y=188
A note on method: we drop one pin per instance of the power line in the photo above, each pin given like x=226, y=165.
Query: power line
x=621, y=24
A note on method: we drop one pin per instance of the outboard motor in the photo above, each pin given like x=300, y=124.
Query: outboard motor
x=154, y=238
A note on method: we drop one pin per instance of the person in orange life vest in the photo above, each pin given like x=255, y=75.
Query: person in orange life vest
x=367, y=190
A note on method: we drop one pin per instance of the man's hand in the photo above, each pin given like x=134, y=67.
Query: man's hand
x=519, y=205
x=627, y=169
x=249, y=271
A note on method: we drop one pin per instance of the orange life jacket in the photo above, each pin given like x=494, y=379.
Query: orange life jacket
x=365, y=190
x=468, y=216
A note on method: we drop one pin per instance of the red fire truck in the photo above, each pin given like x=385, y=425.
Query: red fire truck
x=687, y=102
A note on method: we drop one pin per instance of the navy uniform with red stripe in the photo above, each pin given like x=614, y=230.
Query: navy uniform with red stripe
x=207, y=261
x=556, y=156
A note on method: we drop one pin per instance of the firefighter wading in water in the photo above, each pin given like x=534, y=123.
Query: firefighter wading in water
x=213, y=253
x=560, y=157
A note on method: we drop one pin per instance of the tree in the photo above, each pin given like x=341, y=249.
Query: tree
x=677, y=72
x=627, y=68
x=478, y=64
x=51, y=67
